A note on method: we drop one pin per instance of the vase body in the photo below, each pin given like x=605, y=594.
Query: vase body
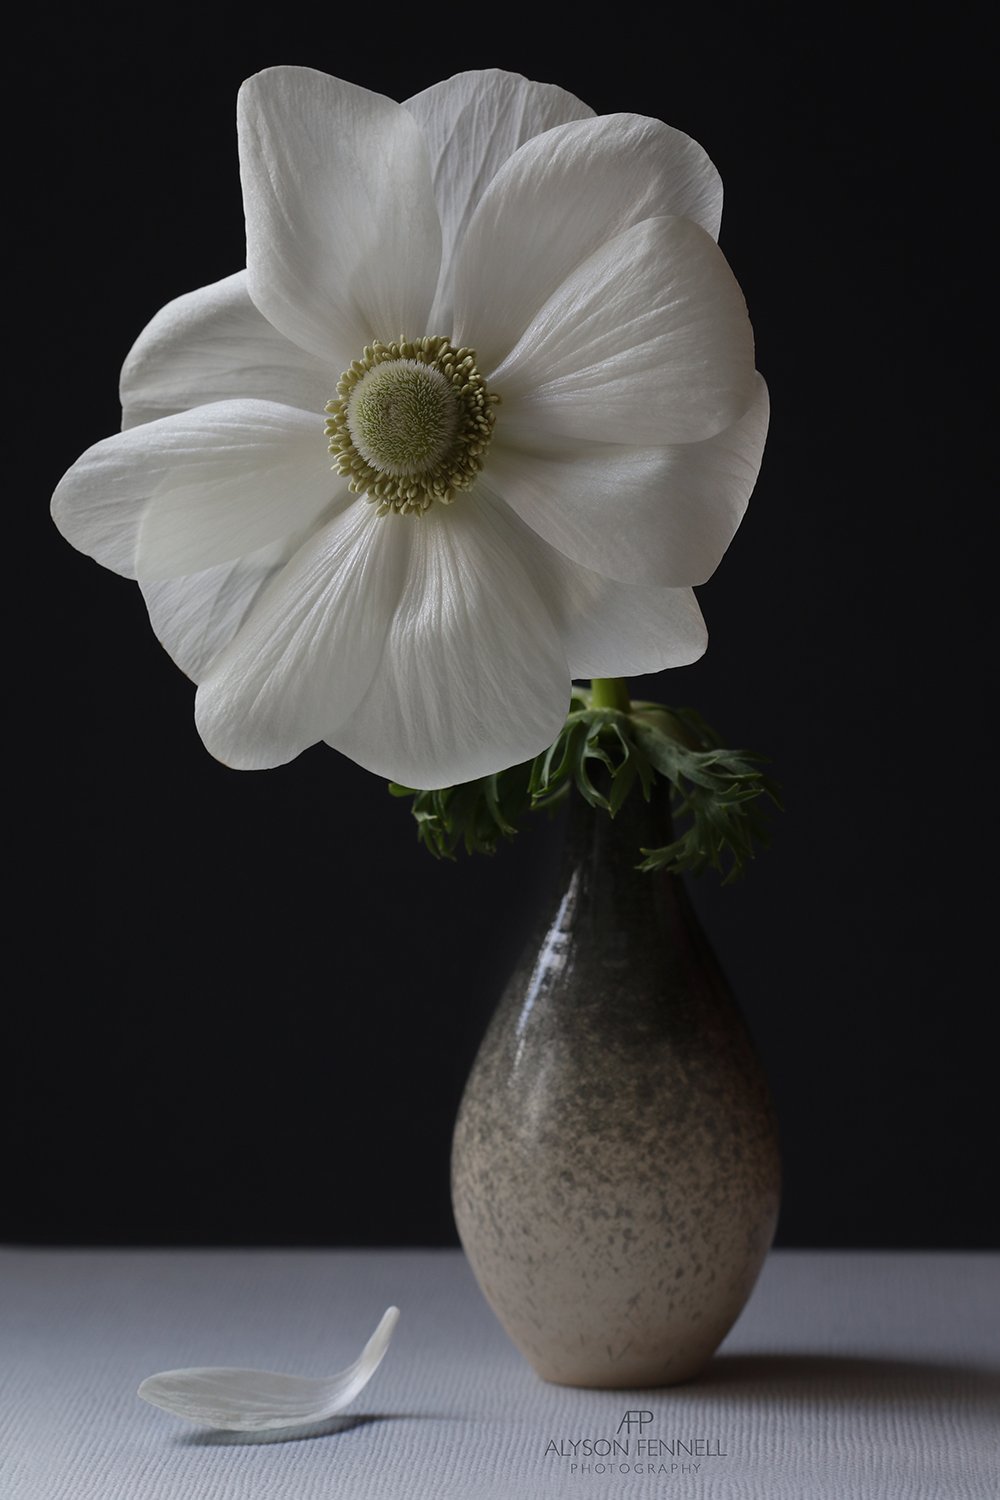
x=615, y=1169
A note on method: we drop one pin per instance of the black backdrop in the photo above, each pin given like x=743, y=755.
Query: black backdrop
x=249, y=1001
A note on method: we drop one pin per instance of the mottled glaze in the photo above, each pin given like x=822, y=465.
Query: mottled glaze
x=615, y=1169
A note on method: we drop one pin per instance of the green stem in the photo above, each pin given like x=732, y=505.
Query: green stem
x=610, y=692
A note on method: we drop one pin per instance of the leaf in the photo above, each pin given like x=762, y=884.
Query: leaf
x=716, y=793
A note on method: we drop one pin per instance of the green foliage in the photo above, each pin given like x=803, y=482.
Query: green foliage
x=716, y=794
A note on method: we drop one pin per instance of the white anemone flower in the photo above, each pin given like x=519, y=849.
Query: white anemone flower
x=478, y=414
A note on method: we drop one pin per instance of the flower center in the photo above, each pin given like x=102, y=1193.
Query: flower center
x=403, y=416
x=411, y=423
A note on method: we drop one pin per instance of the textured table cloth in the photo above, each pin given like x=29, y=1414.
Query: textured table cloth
x=850, y=1374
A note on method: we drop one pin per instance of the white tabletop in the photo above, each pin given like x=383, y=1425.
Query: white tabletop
x=851, y=1374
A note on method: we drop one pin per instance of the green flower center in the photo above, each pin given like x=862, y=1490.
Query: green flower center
x=411, y=423
x=403, y=416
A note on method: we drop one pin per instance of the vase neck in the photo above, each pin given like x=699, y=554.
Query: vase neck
x=595, y=839
x=609, y=900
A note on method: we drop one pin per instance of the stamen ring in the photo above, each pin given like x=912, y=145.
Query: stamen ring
x=411, y=423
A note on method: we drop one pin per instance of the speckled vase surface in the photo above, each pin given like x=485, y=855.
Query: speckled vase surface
x=615, y=1169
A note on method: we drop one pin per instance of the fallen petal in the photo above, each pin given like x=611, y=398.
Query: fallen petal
x=254, y=1400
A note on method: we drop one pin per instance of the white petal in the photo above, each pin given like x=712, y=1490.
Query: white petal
x=343, y=239
x=473, y=677
x=198, y=467
x=251, y=473
x=647, y=342
x=556, y=202
x=213, y=345
x=472, y=123
x=193, y=618
x=663, y=516
x=610, y=629
x=304, y=656
x=620, y=629
x=258, y=1400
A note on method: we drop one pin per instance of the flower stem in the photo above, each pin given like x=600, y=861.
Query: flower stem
x=610, y=692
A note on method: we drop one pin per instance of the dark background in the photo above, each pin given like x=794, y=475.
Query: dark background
x=249, y=1002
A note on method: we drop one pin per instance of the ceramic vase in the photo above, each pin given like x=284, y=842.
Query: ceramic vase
x=615, y=1169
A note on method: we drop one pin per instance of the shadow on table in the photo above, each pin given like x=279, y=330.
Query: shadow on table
x=212, y=1438
x=844, y=1380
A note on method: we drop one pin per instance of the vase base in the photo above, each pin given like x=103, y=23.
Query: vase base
x=638, y=1379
